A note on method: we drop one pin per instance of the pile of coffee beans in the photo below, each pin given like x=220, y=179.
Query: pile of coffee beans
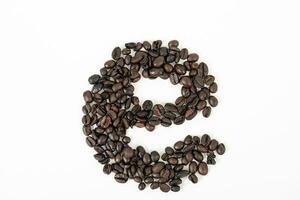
x=111, y=108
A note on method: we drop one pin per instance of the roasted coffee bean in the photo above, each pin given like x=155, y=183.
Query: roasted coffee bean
x=175, y=188
x=173, y=43
x=111, y=108
x=154, y=156
x=154, y=185
x=147, y=105
x=178, y=145
x=179, y=120
x=116, y=53
x=193, y=57
x=87, y=95
x=202, y=168
x=164, y=187
x=206, y=111
x=193, y=167
x=190, y=113
x=121, y=178
x=193, y=178
x=213, y=145
x=186, y=81
x=142, y=186
x=174, y=78
x=213, y=88
x=221, y=149
x=166, y=122
x=159, y=61
x=157, y=167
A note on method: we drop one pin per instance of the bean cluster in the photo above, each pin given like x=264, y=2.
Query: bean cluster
x=111, y=108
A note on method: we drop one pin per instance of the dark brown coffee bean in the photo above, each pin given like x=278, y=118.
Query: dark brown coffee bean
x=109, y=64
x=90, y=141
x=178, y=145
x=164, y=187
x=121, y=178
x=193, y=167
x=130, y=45
x=206, y=111
x=190, y=113
x=184, y=53
x=180, y=69
x=157, y=167
x=175, y=188
x=159, y=61
x=147, y=158
x=213, y=101
x=193, y=178
x=197, y=156
x=193, y=57
x=168, y=68
x=188, y=140
x=186, y=81
x=213, y=144
x=169, y=150
x=201, y=105
x=166, y=122
x=213, y=88
x=170, y=107
x=146, y=45
x=202, y=168
x=142, y=186
x=154, y=185
x=147, y=105
x=154, y=156
x=221, y=149
x=173, y=43
x=205, y=140
x=94, y=79
x=174, y=78
x=87, y=95
x=179, y=120
x=128, y=152
x=116, y=53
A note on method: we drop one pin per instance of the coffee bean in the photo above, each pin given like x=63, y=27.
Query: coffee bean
x=186, y=81
x=147, y=105
x=193, y=178
x=180, y=69
x=109, y=64
x=147, y=158
x=190, y=113
x=175, y=188
x=213, y=88
x=213, y=144
x=178, y=145
x=154, y=156
x=142, y=186
x=116, y=53
x=193, y=167
x=157, y=167
x=164, y=187
x=174, y=78
x=173, y=43
x=221, y=149
x=202, y=168
x=130, y=45
x=179, y=120
x=159, y=61
x=205, y=140
x=87, y=95
x=121, y=178
x=154, y=185
x=213, y=101
x=193, y=57
x=206, y=111
x=90, y=141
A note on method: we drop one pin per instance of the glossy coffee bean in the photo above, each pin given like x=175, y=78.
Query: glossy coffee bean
x=202, y=168
x=221, y=149
x=164, y=187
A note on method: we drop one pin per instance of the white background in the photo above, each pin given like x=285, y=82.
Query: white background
x=48, y=49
